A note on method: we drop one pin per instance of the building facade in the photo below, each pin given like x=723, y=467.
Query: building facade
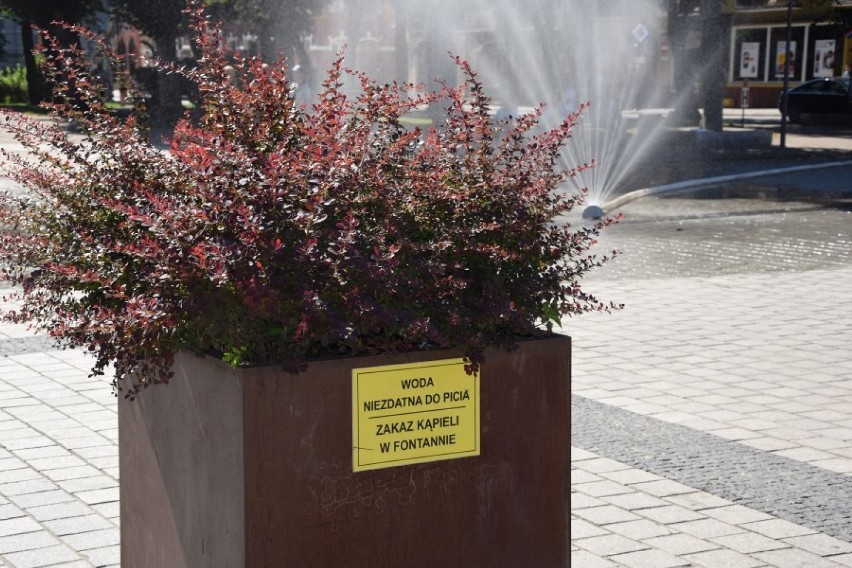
x=758, y=54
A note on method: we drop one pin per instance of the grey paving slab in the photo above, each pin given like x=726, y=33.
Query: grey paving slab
x=28, y=541
x=41, y=557
x=778, y=486
x=722, y=534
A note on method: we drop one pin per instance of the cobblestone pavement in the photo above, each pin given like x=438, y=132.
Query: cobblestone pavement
x=712, y=415
x=58, y=457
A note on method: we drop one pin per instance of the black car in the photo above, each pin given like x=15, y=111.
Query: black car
x=819, y=96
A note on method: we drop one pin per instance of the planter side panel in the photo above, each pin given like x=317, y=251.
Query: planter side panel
x=507, y=507
x=181, y=448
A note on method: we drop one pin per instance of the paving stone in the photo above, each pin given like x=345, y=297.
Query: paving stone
x=59, y=511
x=107, y=556
x=634, y=500
x=663, y=488
x=101, y=451
x=820, y=544
x=43, y=498
x=602, y=488
x=843, y=559
x=737, y=515
x=770, y=444
x=88, y=484
x=580, y=500
x=639, y=529
x=28, y=443
x=93, y=539
x=605, y=515
x=98, y=496
x=680, y=544
x=15, y=475
x=630, y=476
x=108, y=510
x=11, y=463
x=41, y=557
x=56, y=462
x=578, y=476
x=722, y=557
x=793, y=558
x=27, y=541
x=804, y=454
x=46, y=452
x=698, y=501
x=581, y=528
x=777, y=528
x=29, y=486
x=64, y=474
x=18, y=525
x=836, y=464
x=650, y=559
x=586, y=559
x=600, y=465
x=75, y=525
x=749, y=542
x=609, y=544
x=706, y=528
x=9, y=511
x=670, y=514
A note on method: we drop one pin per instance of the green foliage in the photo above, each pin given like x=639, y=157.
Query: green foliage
x=13, y=85
x=272, y=232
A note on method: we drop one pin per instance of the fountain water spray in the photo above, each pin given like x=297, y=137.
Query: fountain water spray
x=561, y=52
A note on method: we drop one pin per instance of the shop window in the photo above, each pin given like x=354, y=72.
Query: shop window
x=750, y=54
x=786, y=56
x=825, y=45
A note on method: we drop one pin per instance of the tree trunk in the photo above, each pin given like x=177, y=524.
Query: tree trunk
x=166, y=107
x=713, y=81
x=35, y=83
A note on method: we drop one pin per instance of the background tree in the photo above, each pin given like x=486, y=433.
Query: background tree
x=695, y=27
x=712, y=82
x=42, y=13
x=281, y=25
x=164, y=21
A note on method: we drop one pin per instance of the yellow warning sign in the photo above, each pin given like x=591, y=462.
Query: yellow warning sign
x=413, y=413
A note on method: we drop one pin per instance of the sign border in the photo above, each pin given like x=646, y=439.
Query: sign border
x=357, y=373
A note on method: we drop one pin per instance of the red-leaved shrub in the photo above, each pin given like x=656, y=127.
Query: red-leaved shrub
x=271, y=233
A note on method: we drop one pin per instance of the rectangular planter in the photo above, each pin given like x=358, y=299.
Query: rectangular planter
x=253, y=468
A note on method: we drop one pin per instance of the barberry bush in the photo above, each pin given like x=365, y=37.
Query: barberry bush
x=267, y=232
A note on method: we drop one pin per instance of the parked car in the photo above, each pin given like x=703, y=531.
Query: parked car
x=819, y=96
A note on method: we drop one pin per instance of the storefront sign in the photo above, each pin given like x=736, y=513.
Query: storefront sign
x=413, y=413
x=785, y=56
x=824, y=55
x=748, y=59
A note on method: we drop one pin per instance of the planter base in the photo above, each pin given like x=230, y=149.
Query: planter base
x=253, y=468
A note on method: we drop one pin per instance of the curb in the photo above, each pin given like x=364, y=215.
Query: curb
x=705, y=182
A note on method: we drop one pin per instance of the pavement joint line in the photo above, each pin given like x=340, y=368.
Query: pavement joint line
x=782, y=487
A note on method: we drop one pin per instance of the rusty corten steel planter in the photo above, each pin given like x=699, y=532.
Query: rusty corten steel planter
x=253, y=468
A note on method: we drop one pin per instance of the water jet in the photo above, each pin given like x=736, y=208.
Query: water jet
x=564, y=54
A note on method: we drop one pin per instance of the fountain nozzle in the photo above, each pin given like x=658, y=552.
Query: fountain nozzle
x=593, y=212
